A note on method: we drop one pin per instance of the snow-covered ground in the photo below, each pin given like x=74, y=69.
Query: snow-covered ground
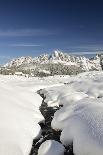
x=80, y=119
x=19, y=112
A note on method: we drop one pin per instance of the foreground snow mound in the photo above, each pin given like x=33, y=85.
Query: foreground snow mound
x=81, y=117
x=85, y=127
x=51, y=147
x=19, y=112
x=19, y=117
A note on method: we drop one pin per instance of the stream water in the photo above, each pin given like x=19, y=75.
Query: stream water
x=47, y=132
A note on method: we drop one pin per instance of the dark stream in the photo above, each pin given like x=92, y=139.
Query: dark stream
x=47, y=132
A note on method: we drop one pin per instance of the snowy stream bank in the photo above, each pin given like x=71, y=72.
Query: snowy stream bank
x=47, y=132
x=79, y=117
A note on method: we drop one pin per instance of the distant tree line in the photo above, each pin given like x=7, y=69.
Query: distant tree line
x=54, y=69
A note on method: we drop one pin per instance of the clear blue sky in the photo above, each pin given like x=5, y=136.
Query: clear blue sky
x=32, y=27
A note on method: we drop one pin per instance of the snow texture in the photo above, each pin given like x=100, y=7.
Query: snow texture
x=81, y=117
x=19, y=117
x=51, y=147
x=19, y=112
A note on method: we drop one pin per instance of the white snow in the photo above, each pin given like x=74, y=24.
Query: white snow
x=19, y=117
x=81, y=117
x=85, y=127
x=19, y=112
x=55, y=58
x=51, y=147
x=44, y=71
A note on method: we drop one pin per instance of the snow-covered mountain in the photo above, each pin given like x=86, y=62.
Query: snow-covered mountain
x=58, y=57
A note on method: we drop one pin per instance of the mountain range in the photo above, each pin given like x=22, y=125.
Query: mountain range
x=57, y=59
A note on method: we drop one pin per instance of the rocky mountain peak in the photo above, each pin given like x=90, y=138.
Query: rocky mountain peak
x=61, y=58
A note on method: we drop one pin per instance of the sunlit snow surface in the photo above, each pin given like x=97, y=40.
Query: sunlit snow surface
x=81, y=117
x=19, y=112
x=51, y=147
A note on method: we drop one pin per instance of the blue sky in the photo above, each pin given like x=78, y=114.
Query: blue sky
x=32, y=27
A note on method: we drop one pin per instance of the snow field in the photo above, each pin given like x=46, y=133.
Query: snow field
x=81, y=117
x=19, y=112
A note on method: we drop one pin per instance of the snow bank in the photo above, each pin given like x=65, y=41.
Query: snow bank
x=19, y=112
x=81, y=117
x=19, y=117
x=85, y=127
x=51, y=147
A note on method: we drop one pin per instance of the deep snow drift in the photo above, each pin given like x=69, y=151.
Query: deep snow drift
x=19, y=112
x=19, y=117
x=81, y=117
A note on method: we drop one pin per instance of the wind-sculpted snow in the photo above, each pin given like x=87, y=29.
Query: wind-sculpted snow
x=81, y=117
x=19, y=112
x=84, y=126
x=19, y=117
